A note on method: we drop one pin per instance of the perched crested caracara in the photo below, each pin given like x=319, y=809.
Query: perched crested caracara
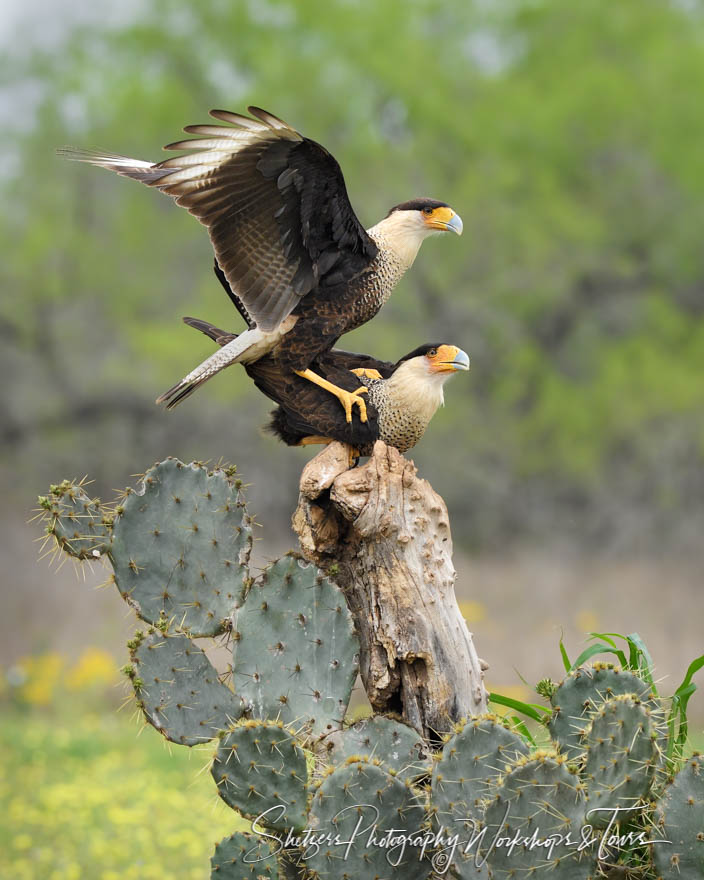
x=402, y=397
x=299, y=265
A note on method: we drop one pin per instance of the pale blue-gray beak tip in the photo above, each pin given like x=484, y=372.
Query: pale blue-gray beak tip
x=461, y=361
x=455, y=224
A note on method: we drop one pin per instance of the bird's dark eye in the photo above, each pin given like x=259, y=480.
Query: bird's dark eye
x=428, y=211
x=432, y=352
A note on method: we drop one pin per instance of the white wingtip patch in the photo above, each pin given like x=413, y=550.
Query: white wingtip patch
x=102, y=158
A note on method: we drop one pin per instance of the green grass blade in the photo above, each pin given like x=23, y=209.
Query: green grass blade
x=643, y=661
x=609, y=636
x=692, y=669
x=523, y=730
x=530, y=710
x=606, y=637
x=678, y=713
x=599, y=648
x=565, y=658
x=680, y=700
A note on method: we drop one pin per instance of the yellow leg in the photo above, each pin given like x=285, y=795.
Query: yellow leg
x=346, y=398
x=365, y=373
x=314, y=439
x=352, y=453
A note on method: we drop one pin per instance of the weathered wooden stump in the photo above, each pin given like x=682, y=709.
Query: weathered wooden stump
x=383, y=535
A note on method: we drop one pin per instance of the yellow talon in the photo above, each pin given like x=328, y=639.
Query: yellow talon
x=352, y=455
x=346, y=398
x=365, y=373
x=349, y=398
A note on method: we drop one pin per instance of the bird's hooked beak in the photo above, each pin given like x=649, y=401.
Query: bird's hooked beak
x=448, y=359
x=444, y=219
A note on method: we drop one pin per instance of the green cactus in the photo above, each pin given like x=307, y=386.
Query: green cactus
x=396, y=745
x=245, y=856
x=181, y=545
x=178, y=689
x=581, y=692
x=539, y=795
x=291, y=866
x=679, y=819
x=260, y=768
x=476, y=753
x=361, y=801
x=621, y=756
x=295, y=653
x=78, y=523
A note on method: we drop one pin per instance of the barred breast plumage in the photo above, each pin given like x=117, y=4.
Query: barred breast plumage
x=400, y=424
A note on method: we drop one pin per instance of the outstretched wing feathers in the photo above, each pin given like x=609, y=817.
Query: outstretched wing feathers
x=145, y=172
x=264, y=120
x=276, y=207
x=269, y=118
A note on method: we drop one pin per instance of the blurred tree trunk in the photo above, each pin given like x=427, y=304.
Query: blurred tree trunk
x=384, y=536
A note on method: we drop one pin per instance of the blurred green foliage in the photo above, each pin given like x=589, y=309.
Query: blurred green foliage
x=85, y=790
x=568, y=136
x=84, y=799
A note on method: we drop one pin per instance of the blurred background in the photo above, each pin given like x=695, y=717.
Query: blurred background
x=568, y=137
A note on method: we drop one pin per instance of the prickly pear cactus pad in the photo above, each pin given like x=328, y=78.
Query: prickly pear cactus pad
x=178, y=688
x=361, y=802
x=621, y=755
x=181, y=544
x=79, y=525
x=480, y=750
x=244, y=856
x=680, y=820
x=260, y=767
x=580, y=693
x=538, y=796
x=295, y=654
x=396, y=745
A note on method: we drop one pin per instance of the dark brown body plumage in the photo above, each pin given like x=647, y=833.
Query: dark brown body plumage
x=398, y=411
x=303, y=408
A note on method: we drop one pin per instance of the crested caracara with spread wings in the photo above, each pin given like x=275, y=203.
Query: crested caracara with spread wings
x=298, y=264
x=402, y=397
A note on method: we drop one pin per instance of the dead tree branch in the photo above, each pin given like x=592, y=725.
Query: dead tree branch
x=383, y=535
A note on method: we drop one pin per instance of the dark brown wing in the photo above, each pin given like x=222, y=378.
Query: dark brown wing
x=222, y=337
x=236, y=301
x=305, y=409
x=276, y=207
x=339, y=359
